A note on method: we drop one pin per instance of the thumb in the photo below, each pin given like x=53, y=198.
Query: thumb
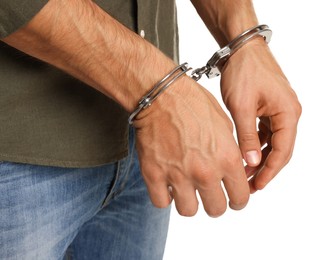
x=248, y=137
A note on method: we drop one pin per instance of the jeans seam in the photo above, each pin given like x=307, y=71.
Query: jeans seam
x=110, y=193
x=127, y=171
x=128, y=161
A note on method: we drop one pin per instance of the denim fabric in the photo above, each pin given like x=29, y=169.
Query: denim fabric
x=69, y=213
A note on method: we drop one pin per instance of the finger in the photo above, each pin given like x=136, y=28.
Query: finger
x=159, y=195
x=236, y=184
x=158, y=190
x=214, y=200
x=253, y=171
x=245, y=122
x=282, y=143
x=264, y=134
x=185, y=199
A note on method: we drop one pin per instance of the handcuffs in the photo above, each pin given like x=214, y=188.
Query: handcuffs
x=212, y=68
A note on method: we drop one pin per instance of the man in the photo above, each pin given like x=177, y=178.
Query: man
x=70, y=180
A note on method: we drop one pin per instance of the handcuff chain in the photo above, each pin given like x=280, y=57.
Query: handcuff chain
x=198, y=73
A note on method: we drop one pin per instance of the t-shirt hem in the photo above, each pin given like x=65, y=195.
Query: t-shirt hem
x=63, y=163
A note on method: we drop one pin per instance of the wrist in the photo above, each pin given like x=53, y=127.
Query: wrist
x=226, y=19
x=236, y=17
x=147, y=68
x=181, y=91
x=158, y=89
x=217, y=62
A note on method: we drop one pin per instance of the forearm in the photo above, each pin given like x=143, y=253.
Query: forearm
x=226, y=19
x=84, y=41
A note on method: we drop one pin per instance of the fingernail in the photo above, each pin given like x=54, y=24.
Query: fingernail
x=252, y=157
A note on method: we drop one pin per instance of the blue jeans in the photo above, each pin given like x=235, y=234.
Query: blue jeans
x=93, y=213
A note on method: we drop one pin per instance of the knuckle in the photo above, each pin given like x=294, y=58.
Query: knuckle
x=261, y=184
x=216, y=212
x=294, y=110
x=298, y=109
x=231, y=160
x=248, y=137
x=159, y=199
x=187, y=212
x=239, y=203
x=287, y=155
x=203, y=177
x=152, y=175
x=152, y=178
x=176, y=177
x=160, y=204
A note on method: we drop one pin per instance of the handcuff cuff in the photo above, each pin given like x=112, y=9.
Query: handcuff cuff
x=212, y=68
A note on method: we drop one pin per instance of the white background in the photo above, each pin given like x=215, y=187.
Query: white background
x=285, y=220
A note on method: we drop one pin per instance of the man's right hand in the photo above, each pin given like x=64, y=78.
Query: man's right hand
x=185, y=142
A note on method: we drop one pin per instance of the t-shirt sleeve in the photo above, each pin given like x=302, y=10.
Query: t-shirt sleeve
x=16, y=13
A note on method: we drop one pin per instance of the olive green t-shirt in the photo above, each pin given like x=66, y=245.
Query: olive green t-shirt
x=49, y=118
